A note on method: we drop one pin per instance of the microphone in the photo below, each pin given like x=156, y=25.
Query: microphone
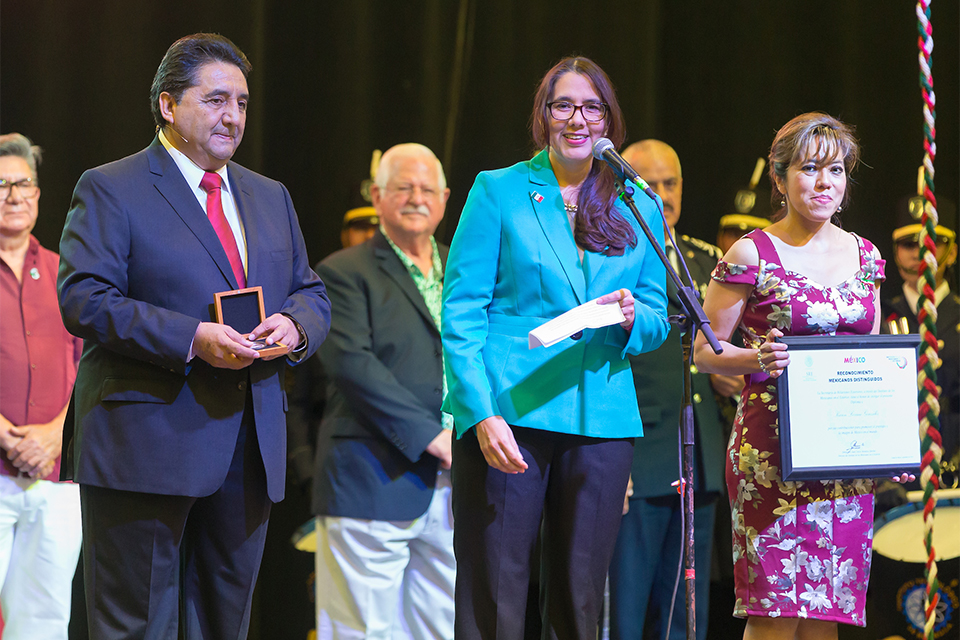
x=175, y=131
x=604, y=150
x=179, y=134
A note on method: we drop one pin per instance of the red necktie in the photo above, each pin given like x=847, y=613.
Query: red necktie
x=211, y=184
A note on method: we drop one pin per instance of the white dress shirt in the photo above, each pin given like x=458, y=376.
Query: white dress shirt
x=193, y=174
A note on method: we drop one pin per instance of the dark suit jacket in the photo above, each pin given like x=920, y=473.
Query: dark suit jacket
x=140, y=264
x=383, y=359
x=659, y=380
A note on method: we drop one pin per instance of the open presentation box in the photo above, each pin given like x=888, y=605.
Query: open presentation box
x=242, y=309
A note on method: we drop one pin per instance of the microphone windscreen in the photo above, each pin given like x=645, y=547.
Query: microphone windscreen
x=600, y=146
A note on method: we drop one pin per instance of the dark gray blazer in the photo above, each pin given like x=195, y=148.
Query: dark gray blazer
x=384, y=365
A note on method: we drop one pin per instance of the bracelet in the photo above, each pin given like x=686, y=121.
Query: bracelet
x=763, y=367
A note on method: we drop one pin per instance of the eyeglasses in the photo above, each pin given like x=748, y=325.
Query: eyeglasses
x=407, y=190
x=28, y=188
x=591, y=112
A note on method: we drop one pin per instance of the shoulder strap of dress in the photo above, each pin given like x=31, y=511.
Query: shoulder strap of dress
x=864, y=247
x=765, y=248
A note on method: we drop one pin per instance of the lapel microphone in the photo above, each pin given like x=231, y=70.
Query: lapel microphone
x=170, y=126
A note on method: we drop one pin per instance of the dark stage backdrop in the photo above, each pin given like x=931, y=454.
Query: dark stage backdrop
x=332, y=81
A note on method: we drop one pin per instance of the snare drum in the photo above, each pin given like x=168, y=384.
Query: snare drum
x=897, y=584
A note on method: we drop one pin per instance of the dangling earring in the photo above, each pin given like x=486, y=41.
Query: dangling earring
x=783, y=203
x=839, y=209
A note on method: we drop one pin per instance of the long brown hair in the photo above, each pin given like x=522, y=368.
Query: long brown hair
x=598, y=227
x=828, y=136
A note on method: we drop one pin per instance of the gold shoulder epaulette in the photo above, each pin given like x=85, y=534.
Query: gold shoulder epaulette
x=711, y=250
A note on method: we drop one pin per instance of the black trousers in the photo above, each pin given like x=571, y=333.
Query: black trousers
x=574, y=487
x=155, y=562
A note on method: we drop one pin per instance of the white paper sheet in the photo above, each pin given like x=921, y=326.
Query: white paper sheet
x=589, y=315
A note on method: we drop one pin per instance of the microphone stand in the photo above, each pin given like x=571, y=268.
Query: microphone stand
x=696, y=319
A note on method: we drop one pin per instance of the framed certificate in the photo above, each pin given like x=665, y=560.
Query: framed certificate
x=848, y=407
x=243, y=310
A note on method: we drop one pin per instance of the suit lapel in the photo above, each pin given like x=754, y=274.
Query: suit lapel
x=673, y=300
x=594, y=262
x=246, y=209
x=672, y=297
x=174, y=188
x=390, y=264
x=682, y=250
x=548, y=206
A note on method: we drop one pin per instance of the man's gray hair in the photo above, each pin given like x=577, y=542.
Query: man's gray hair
x=17, y=144
x=410, y=149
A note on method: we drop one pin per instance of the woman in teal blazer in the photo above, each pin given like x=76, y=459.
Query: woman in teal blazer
x=546, y=433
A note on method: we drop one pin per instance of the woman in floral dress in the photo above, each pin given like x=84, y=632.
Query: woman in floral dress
x=801, y=550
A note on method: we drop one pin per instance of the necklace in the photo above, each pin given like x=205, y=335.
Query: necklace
x=571, y=207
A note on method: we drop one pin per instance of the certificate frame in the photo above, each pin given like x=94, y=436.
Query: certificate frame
x=243, y=310
x=878, y=364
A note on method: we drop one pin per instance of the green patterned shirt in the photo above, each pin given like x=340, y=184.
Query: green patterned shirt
x=430, y=287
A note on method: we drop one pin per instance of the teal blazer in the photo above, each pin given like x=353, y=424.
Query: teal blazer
x=513, y=265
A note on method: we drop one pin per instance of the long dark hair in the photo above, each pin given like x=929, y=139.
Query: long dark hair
x=598, y=227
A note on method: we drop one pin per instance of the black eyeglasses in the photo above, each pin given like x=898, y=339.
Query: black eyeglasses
x=591, y=112
x=28, y=188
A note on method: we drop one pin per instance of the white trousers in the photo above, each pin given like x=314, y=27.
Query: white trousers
x=387, y=580
x=39, y=546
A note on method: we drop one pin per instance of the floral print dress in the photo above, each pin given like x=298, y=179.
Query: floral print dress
x=800, y=549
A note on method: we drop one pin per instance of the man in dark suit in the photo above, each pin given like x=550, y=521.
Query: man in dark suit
x=385, y=564
x=650, y=542
x=178, y=421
